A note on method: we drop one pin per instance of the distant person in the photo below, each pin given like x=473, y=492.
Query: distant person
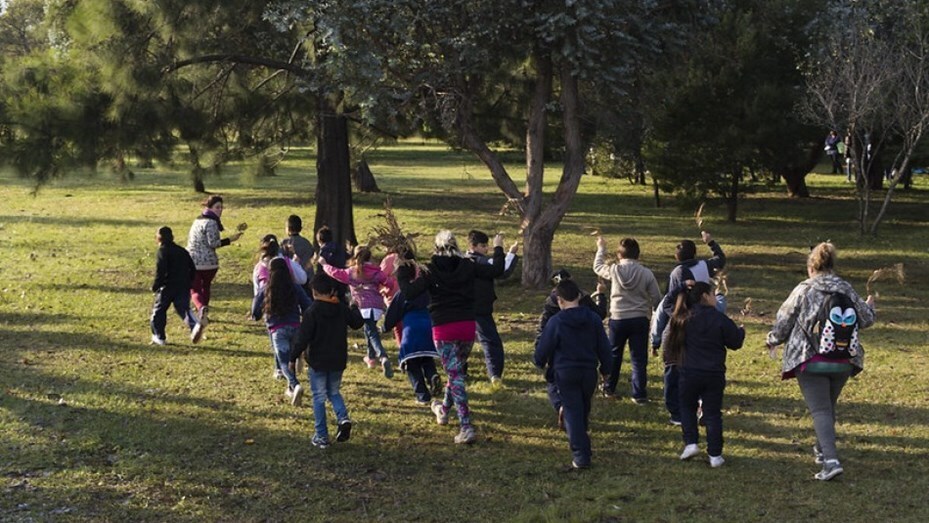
x=596, y=302
x=832, y=151
x=174, y=271
x=202, y=242
x=689, y=268
x=449, y=280
x=818, y=325
x=281, y=302
x=576, y=345
x=322, y=337
x=633, y=294
x=484, y=297
x=698, y=336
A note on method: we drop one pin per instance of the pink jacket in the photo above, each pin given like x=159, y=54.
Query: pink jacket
x=366, y=290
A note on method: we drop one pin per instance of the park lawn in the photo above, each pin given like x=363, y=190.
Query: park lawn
x=98, y=425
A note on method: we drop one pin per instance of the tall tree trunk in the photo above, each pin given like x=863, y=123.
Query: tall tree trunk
x=333, y=173
x=732, y=199
x=796, y=183
x=363, y=178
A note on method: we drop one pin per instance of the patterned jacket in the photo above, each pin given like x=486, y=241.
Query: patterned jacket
x=797, y=318
x=202, y=242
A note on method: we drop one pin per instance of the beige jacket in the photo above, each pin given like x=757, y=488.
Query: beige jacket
x=634, y=289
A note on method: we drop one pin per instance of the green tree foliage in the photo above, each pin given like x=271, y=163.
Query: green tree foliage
x=724, y=110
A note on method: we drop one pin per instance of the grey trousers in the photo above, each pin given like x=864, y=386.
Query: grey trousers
x=820, y=391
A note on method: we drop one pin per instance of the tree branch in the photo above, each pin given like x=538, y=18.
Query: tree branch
x=238, y=58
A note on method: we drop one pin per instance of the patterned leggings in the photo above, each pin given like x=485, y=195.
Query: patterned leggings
x=454, y=353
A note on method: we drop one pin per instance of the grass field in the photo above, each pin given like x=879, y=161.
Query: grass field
x=97, y=425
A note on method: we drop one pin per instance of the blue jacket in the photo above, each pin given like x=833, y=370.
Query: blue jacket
x=707, y=335
x=574, y=338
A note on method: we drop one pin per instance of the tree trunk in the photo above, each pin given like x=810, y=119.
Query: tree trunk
x=796, y=183
x=363, y=178
x=537, y=255
x=656, y=191
x=333, y=174
x=732, y=199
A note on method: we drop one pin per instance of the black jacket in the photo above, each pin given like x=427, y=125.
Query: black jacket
x=707, y=335
x=174, y=268
x=484, y=294
x=449, y=280
x=596, y=302
x=322, y=335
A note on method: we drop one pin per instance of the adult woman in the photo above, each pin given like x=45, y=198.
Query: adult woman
x=820, y=377
x=202, y=242
x=449, y=279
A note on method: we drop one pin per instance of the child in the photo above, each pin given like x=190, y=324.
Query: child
x=280, y=301
x=322, y=335
x=333, y=253
x=574, y=342
x=364, y=280
x=413, y=330
x=268, y=250
x=595, y=302
x=296, y=244
x=174, y=271
x=484, y=297
x=698, y=336
x=633, y=294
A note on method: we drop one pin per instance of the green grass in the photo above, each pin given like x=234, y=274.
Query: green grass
x=95, y=424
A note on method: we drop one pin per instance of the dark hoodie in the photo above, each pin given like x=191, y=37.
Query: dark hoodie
x=450, y=283
x=574, y=338
x=174, y=268
x=322, y=335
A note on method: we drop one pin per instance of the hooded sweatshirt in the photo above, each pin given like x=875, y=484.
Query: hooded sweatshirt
x=322, y=335
x=797, y=317
x=574, y=338
x=366, y=290
x=450, y=283
x=634, y=289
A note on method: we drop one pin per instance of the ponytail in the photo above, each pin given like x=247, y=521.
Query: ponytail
x=684, y=307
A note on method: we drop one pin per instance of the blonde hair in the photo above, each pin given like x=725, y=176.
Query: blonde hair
x=822, y=258
x=360, y=257
x=446, y=244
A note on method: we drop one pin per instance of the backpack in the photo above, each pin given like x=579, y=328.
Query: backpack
x=838, y=328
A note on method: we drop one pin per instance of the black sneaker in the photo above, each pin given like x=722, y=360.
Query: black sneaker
x=345, y=430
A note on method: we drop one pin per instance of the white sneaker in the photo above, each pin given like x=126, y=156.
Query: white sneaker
x=197, y=333
x=466, y=435
x=441, y=416
x=204, y=315
x=297, y=398
x=717, y=461
x=157, y=341
x=690, y=451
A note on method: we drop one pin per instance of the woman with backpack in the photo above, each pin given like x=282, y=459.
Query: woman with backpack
x=818, y=325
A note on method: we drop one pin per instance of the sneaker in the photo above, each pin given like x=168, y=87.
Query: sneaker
x=197, y=333
x=441, y=416
x=831, y=469
x=278, y=374
x=675, y=422
x=205, y=315
x=496, y=382
x=157, y=341
x=319, y=441
x=818, y=455
x=345, y=430
x=640, y=401
x=690, y=451
x=579, y=466
x=437, y=386
x=423, y=402
x=466, y=435
x=387, y=368
x=717, y=461
x=561, y=418
x=297, y=398
x=370, y=362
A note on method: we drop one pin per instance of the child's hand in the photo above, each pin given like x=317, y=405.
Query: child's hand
x=601, y=242
x=498, y=240
x=707, y=237
x=514, y=247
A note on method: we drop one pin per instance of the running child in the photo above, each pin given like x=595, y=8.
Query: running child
x=174, y=272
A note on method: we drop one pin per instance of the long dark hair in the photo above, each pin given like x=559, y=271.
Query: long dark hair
x=280, y=297
x=683, y=311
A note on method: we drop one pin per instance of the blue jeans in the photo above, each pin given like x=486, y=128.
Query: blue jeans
x=635, y=331
x=325, y=385
x=164, y=299
x=577, y=386
x=373, y=338
x=281, y=340
x=491, y=343
x=708, y=387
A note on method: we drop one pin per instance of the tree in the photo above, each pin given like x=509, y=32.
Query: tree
x=869, y=76
x=723, y=111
